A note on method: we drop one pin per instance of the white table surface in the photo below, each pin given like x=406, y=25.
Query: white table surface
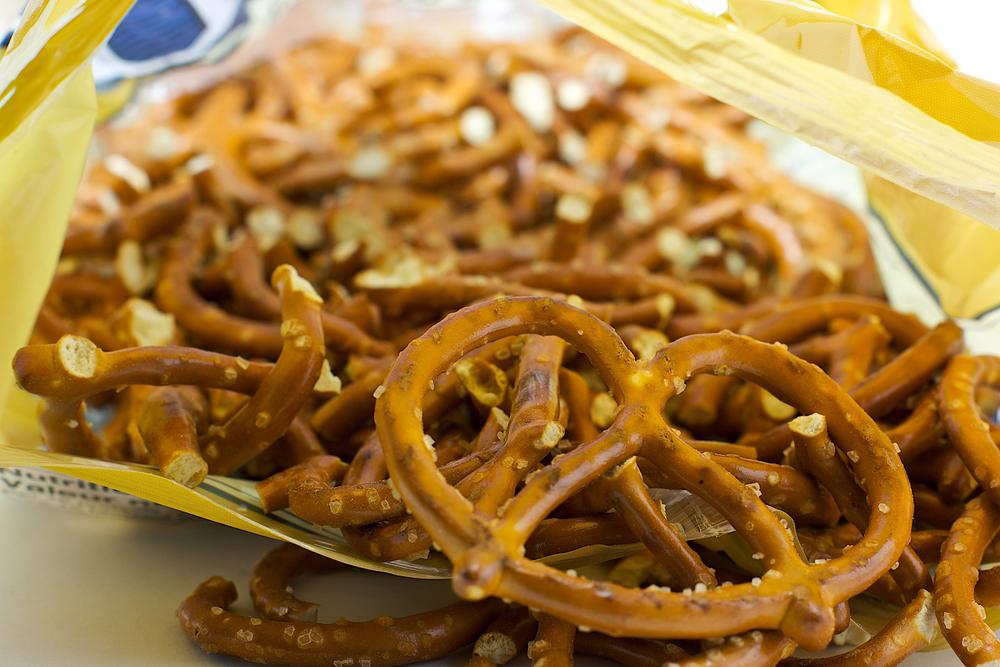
x=81, y=590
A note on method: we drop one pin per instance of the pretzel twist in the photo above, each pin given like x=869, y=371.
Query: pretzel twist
x=495, y=566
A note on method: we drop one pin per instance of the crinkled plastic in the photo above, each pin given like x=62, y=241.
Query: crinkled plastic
x=879, y=94
x=864, y=81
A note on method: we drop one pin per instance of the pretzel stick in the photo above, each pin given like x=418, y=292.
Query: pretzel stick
x=271, y=579
x=479, y=574
x=920, y=431
x=883, y=390
x=50, y=327
x=960, y=620
x=781, y=486
x=576, y=393
x=532, y=431
x=819, y=456
x=851, y=363
x=73, y=369
x=909, y=631
x=685, y=324
x=274, y=490
x=988, y=587
x=793, y=321
x=749, y=650
x=230, y=181
x=486, y=382
x=727, y=448
x=246, y=268
x=299, y=444
x=156, y=213
x=169, y=421
x=555, y=536
x=955, y=482
x=781, y=240
x=409, y=639
x=507, y=636
x=644, y=516
x=553, y=643
x=610, y=283
x=361, y=504
x=967, y=431
x=345, y=412
x=929, y=507
x=175, y=295
x=626, y=651
x=702, y=400
x=266, y=416
x=405, y=537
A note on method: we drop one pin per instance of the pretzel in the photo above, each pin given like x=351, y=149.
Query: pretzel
x=479, y=568
x=791, y=322
x=632, y=501
x=960, y=620
x=819, y=456
x=72, y=370
x=850, y=364
x=702, y=400
x=505, y=637
x=563, y=174
x=245, y=267
x=553, y=643
x=555, y=536
x=274, y=490
x=403, y=537
x=909, y=631
x=384, y=641
x=342, y=414
x=169, y=422
x=967, y=431
x=628, y=652
x=945, y=470
x=485, y=382
x=150, y=216
x=886, y=388
x=920, y=431
x=611, y=283
x=267, y=415
x=574, y=391
x=444, y=293
x=312, y=499
x=175, y=295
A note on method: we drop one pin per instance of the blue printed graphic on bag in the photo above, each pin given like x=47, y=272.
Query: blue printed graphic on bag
x=156, y=35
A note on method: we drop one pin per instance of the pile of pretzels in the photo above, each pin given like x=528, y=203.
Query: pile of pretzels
x=490, y=303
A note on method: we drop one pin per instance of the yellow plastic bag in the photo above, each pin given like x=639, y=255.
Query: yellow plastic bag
x=870, y=94
x=881, y=96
